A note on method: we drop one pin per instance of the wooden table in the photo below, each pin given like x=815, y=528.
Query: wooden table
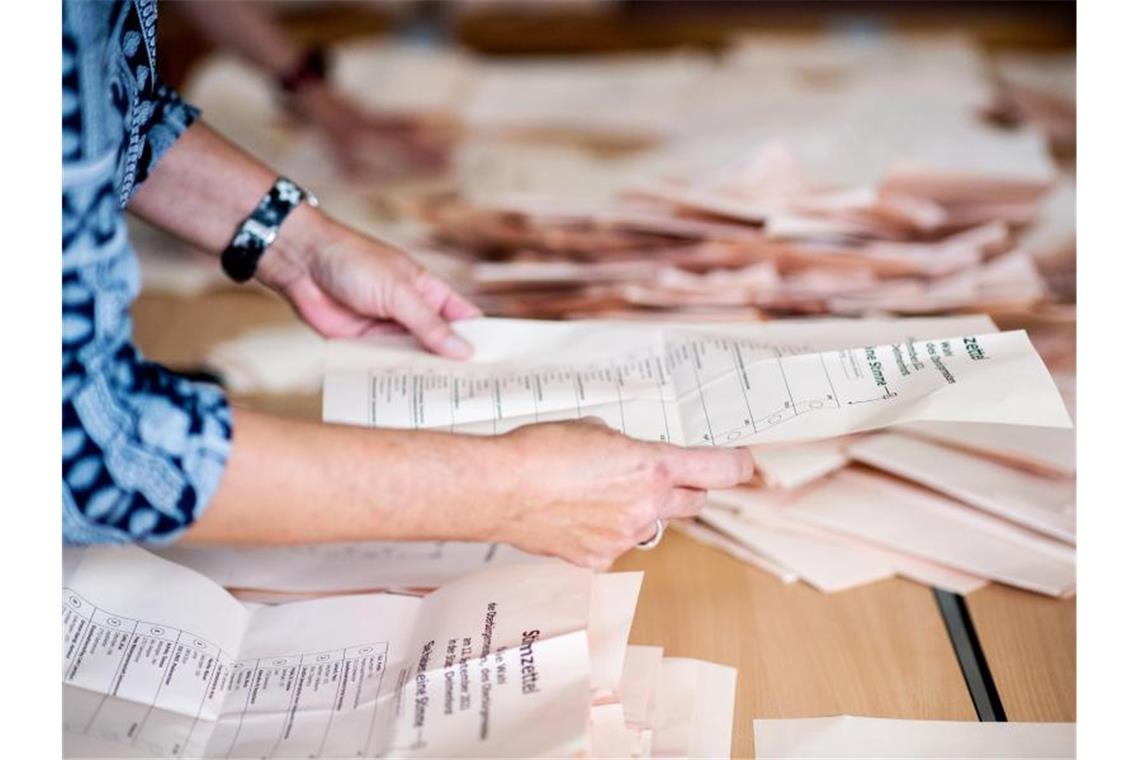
x=1030, y=642
x=879, y=650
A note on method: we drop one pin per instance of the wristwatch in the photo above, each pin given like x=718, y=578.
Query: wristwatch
x=260, y=228
x=312, y=67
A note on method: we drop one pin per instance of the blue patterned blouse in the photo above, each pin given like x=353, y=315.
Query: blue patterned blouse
x=143, y=448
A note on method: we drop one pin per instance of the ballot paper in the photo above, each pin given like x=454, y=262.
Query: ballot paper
x=846, y=736
x=344, y=567
x=1047, y=505
x=793, y=465
x=693, y=710
x=1047, y=451
x=160, y=661
x=757, y=227
x=829, y=566
x=912, y=520
x=717, y=540
x=613, y=600
x=621, y=97
x=724, y=385
x=759, y=521
x=669, y=707
x=610, y=735
x=640, y=682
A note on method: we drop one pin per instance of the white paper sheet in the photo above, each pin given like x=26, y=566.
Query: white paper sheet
x=610, y=736
x=694, y=709
x=1047, y=505
x=728, y=385
x=640, y=681
x=344, y=567
x=846, y=736
x=159, y=661
x=613, y=601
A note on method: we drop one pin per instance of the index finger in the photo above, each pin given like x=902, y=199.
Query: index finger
x=709, y=467
x=409, y=309
x=445, y=299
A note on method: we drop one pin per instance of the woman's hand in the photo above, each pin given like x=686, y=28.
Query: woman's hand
x=344, y=284
x=375, y=145
x=587, y=494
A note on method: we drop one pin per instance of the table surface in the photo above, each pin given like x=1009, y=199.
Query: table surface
x=880, y=649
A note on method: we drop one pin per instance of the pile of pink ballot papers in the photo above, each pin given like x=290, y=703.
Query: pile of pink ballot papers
x=752, y=238
x=510, y=661
x=948, y=504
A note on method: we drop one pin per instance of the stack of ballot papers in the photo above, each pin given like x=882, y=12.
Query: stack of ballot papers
x=754, y=236
x=840, y=174
x=1041, y=89
x=511, y=661
x=949, y=504
x=945, y=460
x=846, y=736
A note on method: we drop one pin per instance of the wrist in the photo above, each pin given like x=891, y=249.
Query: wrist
x=259, y=232
x=481, y=492
x=302, y=235
x=503, y=495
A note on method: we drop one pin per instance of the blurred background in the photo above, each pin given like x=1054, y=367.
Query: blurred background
x=649, y=160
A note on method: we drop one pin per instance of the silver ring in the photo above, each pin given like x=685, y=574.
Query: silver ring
x=656, y=539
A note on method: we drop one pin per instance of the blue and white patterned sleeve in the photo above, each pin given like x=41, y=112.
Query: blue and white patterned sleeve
x=143, y=448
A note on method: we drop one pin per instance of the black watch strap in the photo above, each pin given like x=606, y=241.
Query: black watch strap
x=313, y=67
x=260, y=228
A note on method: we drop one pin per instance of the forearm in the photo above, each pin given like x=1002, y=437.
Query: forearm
x=288, y=482
x=205, y=186
x=244, y=28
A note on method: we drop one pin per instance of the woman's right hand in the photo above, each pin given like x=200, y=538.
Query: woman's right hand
x=587, y=494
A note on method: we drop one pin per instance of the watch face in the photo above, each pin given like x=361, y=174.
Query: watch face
x=255, y=229
x=258, y=232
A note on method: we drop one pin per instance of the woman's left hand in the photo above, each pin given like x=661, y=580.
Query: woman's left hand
x=345, y=284
x=377, y=146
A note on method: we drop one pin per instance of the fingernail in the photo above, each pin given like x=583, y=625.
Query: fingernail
x=457, y=347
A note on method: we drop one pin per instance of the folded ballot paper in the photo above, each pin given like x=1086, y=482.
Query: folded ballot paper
x=948, y=504
x=159, y=661
x=344, y=567
x=834, y=531
x=846, y=736
x=724, y=384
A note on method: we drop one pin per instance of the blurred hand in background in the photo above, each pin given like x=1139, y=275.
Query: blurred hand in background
x=365, y=145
